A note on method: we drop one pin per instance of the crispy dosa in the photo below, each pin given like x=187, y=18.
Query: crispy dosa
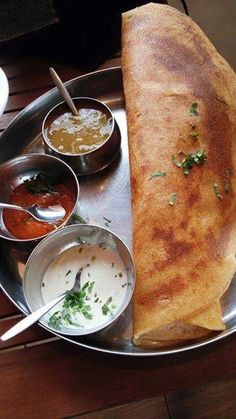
x=180, y=98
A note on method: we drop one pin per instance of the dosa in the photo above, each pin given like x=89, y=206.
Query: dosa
x=180, y=100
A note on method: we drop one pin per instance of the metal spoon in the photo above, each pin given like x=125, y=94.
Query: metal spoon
x=63, y=91
x=36, y=315
x=49, y=214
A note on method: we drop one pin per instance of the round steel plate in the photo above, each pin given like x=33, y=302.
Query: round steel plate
x=106, y=194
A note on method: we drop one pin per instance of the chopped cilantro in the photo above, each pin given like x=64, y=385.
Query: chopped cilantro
x=157, y=174
x=87, y=315
x=43, y=284
x=77, y=217
x=105, y=308
x=193, y=110
x=90, y=288
x=55, y=320
x=106, y=219
x=41, y=184
x=73, y=303
x=85, y=285
x=68, y=272
x=194, y=135
x=195, y=158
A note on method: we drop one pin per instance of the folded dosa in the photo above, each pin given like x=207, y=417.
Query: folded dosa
x=180, y=98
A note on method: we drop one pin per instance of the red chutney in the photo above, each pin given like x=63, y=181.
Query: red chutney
x=23, y=225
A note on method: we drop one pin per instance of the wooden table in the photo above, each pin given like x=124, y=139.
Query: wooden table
x=44, y=377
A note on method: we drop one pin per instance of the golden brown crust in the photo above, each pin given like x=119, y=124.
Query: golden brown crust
x=184, y=253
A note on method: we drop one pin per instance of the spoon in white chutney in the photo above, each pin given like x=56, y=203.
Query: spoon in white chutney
x=63, y=91
x=36, y=315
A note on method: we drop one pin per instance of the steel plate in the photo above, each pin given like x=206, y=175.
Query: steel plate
x=102, y=195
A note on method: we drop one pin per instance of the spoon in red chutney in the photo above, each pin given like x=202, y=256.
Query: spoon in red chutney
x=49, y=214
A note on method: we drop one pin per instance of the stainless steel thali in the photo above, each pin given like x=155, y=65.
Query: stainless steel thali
x=102, y=195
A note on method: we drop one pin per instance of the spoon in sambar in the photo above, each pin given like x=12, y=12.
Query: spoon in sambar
x=63, y=91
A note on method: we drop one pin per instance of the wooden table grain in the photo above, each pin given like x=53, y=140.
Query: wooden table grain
x=45, y=377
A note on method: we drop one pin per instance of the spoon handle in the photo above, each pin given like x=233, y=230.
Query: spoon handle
x=63, y=91
x=11, y=206
x=32, y=318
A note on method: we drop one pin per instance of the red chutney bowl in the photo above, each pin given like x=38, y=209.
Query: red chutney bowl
x=35, y=179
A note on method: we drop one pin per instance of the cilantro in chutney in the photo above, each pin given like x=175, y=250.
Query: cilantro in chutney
x=99, y=295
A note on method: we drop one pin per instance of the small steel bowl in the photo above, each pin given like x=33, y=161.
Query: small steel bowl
x=94, y=160
x=55, y=244
x=13, y=172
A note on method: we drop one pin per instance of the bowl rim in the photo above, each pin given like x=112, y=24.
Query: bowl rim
x=58, y=160
x=70, y=155
x=123, y=306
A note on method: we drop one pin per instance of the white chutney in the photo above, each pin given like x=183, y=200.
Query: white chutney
x=103, y=283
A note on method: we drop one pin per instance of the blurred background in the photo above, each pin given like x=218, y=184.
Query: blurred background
x=88, y=32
